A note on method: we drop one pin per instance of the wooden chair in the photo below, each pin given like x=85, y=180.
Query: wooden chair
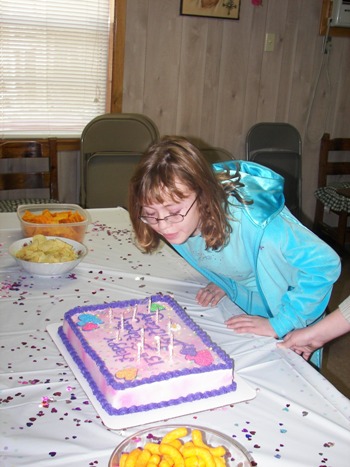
x=28, y=172
x=333, y=192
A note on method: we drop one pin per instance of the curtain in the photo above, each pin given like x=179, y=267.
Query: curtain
x=53, y=65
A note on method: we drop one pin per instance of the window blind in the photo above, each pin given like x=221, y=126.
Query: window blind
x=53, y=65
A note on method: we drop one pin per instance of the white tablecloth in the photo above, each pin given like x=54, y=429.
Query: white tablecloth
x=297, y=418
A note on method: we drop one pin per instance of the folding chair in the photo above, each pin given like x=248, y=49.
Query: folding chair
x=279, y=147
x=111, y=146
x=215, y=154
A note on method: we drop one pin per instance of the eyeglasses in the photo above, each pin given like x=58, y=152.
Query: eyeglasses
x=171, y=219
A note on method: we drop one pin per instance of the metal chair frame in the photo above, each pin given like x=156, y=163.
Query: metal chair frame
x=279, y=147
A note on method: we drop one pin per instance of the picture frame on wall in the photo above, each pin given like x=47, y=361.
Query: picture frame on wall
x=224, y=9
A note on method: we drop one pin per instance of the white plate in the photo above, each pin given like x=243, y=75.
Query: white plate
x=243, y=393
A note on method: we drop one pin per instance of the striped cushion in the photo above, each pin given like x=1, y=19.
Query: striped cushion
x=330, y=197
x=11, y=205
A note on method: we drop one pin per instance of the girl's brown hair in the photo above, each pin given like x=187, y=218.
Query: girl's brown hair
x=174, y=159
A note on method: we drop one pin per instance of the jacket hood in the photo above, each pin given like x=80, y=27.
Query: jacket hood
x=261, y=185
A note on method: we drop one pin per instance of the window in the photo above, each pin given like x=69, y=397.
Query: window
x=54, y=58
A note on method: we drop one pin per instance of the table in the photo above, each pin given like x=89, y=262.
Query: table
x=297, y=418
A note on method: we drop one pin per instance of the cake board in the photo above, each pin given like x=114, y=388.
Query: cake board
x=243, y=393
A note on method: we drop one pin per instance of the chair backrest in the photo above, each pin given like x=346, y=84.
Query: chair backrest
x=215, y=154
x=279, y=147
x=333, y=166
x=333, y=191
x=28, y=168
x=111, y=146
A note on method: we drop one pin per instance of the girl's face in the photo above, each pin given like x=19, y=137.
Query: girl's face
x=179, y=232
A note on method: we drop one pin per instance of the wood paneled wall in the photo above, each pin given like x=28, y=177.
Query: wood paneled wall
x=210, y=79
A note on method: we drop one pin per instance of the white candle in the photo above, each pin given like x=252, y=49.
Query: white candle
x=157, y=316
x=110, y=316
x=138, y=351
x=157, y=339
x=171, y=339
x=142, y=338
x=171, y=350
x=134, y=313
x=122, y=322
x=117, y=335
x=149, y=305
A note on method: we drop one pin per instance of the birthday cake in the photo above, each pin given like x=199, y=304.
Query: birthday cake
x=140, y=355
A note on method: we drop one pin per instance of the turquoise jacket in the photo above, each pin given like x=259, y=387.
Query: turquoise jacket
x=294, y=269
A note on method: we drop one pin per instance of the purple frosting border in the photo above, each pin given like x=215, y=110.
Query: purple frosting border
x=169, y=375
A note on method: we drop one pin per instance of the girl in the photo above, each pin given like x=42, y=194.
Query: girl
x=230, y=223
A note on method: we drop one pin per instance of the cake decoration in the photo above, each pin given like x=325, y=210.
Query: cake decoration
x=139, y=355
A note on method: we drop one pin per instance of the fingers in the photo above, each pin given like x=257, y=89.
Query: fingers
x=251, y=324
x=210, y=295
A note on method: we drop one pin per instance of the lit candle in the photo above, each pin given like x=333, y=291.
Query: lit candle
x=138, y=351
x=157, y=339
x=171, y=339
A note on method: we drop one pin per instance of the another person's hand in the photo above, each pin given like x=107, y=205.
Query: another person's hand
x=302, y=341
x=306, y=340
x=251, y=324
x=210, y=295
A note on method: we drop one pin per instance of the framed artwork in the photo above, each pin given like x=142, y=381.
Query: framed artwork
x=225, y=9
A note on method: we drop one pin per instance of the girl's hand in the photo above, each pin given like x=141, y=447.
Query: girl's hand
x=251, y=324
x=210, y=295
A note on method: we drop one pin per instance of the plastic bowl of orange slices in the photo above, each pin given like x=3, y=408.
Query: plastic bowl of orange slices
x=54, y=220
